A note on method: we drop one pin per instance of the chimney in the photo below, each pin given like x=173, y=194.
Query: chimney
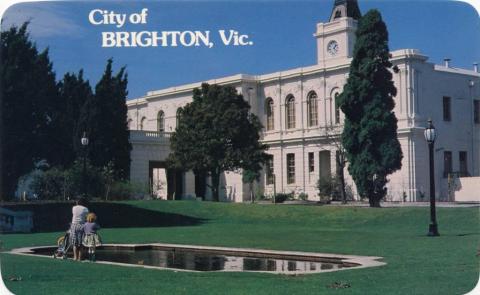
x=475, y=67
x=447, y=62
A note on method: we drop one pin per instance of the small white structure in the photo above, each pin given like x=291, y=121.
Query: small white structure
x=297, y=109
x=464, y=189
x=15, y=221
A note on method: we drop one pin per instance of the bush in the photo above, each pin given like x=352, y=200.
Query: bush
x=25, y=183
x=50, y=185
x=326, y=186
x=329, y=189
x=94, y=181
x=261, y=197
x=280, y=198
x=303, y=196
x=45, y=183
x=125, y=190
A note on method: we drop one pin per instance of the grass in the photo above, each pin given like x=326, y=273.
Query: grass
x=416, y=264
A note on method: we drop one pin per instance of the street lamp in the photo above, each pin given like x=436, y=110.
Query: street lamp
x=84, y=142
x=430, y=136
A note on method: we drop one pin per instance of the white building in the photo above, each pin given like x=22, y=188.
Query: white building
x=297, y=108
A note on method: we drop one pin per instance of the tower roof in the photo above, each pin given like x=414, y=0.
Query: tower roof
x=345, y=8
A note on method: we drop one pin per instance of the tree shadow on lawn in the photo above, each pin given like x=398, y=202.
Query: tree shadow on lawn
x=51, y=217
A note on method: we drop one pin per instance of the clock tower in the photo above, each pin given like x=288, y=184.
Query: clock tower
x=336, y=38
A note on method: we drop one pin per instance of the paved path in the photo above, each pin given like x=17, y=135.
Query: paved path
x=383, y=204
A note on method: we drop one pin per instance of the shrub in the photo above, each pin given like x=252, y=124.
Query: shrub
x=303, y=196
x=261, y=197
x=325, y=186
x=94, y=181
x=329, y=188
x=25, y=183
x=54, y=183
x=280, y=198
x=50, y=185
x=125, y=190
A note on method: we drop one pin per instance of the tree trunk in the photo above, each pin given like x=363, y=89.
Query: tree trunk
x=251, y=192
x=378, y=191
x=341, y=176
x=342, y=189
x=215, y=185
x=107, y=192
x=374, y=202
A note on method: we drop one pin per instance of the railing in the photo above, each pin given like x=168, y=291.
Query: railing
x=145, y=135
x=456, y=174
x=330, y=132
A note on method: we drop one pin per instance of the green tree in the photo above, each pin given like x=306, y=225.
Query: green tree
x=216, y=133
x=30, y=108
x=74, y=92
x=370, y=132
x=104, y=119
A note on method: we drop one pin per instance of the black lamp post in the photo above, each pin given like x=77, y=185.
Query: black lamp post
x=430, y=136
x=84, y=141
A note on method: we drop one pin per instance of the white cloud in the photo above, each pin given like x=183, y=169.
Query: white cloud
x=46, y=19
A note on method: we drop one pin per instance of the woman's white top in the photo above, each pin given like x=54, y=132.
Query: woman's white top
x=79, y=214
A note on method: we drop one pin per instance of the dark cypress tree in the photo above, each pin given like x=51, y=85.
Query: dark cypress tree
x=30, y=104
x=370, y=131
x=104, y=119
x=74, y=92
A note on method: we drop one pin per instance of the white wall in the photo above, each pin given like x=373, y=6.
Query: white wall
x=467, y=189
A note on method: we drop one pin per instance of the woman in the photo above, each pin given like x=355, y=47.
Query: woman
x=79, y=214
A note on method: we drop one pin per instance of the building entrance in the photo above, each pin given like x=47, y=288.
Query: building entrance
x=165, y=183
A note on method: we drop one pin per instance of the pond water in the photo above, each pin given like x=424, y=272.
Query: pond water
x=198, y=260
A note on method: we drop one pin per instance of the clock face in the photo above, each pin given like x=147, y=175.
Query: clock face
x=332, y=47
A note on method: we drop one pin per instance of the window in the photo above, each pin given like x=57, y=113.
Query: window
x=476, y=111
x=447, y=163
x=129, y=124
x=270, y=178
x=311, y=162
x=290, y=111
x=161, y=121
x=179, y=113
x=312, y=109
x=270, y=115
x=447, y=116
x=142, y=123
x=290, y=168
x=337, y=108
x=463, y=164
x=338, y=14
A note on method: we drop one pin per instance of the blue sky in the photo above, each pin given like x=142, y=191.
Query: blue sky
x=281, y=32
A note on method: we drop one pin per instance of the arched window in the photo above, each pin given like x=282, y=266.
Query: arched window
x=179, y=113
x=270, y=113
x=338, y=14
x=337, y=108
x=129, y=124
x=335, y=119
x=161, y=121
x=290, y=111
x=142, y=123
x=312, y=109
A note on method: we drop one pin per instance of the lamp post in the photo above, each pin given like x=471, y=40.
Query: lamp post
x=430, y=136
x=84, y=142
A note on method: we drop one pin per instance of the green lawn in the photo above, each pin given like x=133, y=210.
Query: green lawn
x=416, y=264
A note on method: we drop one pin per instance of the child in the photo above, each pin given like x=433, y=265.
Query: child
x=91, y=239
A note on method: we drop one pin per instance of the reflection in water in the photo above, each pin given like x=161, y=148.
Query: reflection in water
x=206, y=261
x=211, y=262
